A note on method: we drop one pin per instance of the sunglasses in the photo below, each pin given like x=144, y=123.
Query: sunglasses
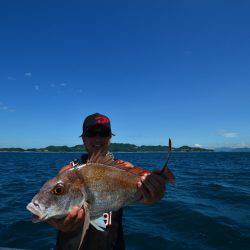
x=101, y=133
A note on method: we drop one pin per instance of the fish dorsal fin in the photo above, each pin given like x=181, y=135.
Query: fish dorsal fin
x=108, y=160
x=102, y=159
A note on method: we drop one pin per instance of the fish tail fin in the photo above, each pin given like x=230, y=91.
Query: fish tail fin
x=167, y=173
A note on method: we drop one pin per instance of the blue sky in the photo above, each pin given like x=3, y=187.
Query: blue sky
x=158, y=69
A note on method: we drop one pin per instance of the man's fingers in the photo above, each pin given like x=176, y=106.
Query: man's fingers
x=77, y=221
x=119, y=161
x=152, y=189
x=157, y=180
x=145, y=192
x=74, y=220
x=80, y=215
x=158, y=187
x=124, y=163
x=71, y=216
x=138, y=195
x=67, y=220
x=155, y=188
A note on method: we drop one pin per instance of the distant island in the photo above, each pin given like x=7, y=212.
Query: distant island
x=114, y=147
x=227, y=149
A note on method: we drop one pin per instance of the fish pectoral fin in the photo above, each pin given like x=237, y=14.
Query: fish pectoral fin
x=86, y=222
x=98, y=224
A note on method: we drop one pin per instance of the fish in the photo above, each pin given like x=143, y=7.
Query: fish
x=99, y=186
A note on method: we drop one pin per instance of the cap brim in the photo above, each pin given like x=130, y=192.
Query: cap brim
x=85, y=132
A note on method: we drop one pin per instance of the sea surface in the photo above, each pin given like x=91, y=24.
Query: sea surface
x=207, y=208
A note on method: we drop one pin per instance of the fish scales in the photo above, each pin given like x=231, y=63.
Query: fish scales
x=108, y=187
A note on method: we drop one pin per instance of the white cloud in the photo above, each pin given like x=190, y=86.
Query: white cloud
x=197, y=145
x=11, y=78
x=227, y=134
x=6, y=108
x=28, y=74
x=241, y=145
x=36, y=87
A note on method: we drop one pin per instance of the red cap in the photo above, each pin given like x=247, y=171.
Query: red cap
x=93, y=120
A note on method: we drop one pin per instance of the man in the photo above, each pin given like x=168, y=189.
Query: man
x=96, y=136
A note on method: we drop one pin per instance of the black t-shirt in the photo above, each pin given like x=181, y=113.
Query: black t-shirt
x=110, y=239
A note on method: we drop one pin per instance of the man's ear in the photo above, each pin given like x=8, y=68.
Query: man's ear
x=110, y=139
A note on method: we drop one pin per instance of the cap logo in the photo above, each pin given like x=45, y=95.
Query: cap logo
x=102, y=119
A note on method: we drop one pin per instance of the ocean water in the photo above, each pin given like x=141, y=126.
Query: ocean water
x=207, y=208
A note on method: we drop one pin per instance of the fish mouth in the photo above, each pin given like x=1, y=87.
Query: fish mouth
x=37, y=213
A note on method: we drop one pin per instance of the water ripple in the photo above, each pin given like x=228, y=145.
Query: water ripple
x=207, y=208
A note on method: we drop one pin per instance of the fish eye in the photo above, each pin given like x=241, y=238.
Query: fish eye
x=58, y=190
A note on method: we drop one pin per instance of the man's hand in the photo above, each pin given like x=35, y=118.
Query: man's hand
x=151, y=187
x=71, y=222
x=124, y=163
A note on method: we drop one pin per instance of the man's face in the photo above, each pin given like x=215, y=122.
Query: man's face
x=97, y=139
